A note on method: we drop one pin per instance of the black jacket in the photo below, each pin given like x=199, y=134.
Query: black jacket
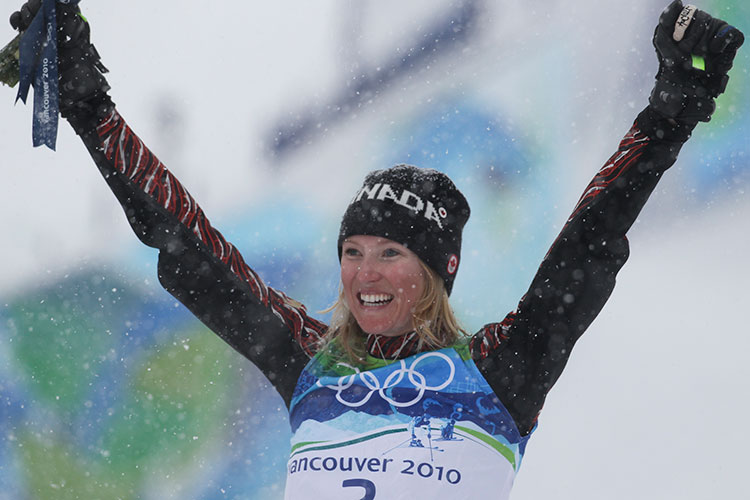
x=521, y=357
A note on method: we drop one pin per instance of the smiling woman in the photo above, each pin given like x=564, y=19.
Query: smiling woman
x=417, y=301
x=392, y=399
x=382, y=282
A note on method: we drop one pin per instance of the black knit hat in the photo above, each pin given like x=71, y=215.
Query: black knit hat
x=417, y=207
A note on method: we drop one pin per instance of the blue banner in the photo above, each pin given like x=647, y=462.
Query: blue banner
x=38, y=66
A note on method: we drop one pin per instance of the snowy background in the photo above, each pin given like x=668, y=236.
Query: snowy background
x=271, y=114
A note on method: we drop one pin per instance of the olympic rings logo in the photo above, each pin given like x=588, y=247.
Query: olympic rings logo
x=417, y=379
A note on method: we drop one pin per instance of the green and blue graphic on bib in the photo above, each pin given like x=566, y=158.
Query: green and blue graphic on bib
x=430, y=418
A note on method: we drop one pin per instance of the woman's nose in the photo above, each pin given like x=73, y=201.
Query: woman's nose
x=369, y=270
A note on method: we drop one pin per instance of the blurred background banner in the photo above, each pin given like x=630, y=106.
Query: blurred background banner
x=271, y=115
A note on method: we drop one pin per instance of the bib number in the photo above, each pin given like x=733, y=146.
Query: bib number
x=369, y=487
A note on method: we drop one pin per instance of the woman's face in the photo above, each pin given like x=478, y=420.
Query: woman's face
x=382, y=282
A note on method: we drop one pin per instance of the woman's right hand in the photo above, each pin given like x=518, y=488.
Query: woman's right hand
x=82, y=83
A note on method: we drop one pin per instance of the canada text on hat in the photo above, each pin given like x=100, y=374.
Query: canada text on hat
x=407, y=199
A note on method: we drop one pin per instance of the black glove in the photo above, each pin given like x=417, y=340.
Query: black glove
x=695, y=53
x=83, y=87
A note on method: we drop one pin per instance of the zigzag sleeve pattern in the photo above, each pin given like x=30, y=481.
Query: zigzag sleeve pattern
x=631, y=148
x=490, y=337
x=132, y=159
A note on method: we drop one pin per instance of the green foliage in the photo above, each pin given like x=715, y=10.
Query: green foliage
x=9, y=71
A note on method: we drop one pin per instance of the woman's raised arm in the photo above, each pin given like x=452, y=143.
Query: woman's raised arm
x=523, y=356
x=196, y=263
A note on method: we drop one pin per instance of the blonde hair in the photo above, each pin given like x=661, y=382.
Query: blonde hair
x=432, y=319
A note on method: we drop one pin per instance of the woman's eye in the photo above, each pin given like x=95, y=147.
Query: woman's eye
x=351, y=252
x=391, y=252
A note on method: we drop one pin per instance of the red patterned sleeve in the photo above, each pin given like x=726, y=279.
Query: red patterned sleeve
x=523, y=356
x=627, y=155
x=196, y=263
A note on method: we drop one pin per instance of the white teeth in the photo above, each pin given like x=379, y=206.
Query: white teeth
x=375, y=298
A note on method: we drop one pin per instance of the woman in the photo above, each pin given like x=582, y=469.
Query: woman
x=392, y=400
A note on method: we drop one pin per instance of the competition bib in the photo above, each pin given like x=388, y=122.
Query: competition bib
x=427, y=426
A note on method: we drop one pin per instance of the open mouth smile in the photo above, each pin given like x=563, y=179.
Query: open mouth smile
x=374, y=299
